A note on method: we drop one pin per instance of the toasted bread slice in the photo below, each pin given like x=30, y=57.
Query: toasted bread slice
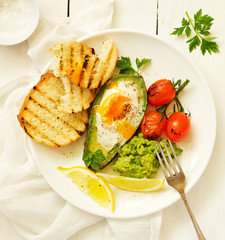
x=78, y=100
x=70, y=59
x=105, y=65
x=41, y=118
x=69, y=63
x=78, y=63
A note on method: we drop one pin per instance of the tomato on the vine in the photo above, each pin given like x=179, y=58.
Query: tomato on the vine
x=161, y=92
x=177, y=127
x=153, y=124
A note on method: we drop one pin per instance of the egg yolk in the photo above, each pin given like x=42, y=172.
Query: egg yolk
x=125, y=129
x=115, y=107
x=74, y=73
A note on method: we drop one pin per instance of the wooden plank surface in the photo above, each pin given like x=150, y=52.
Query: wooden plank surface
x=135, y=15
x=207, y=194
x=207, y=198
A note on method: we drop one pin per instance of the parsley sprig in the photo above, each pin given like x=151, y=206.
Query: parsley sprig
x=201, y=24
x=125, y=66
x=93, y=159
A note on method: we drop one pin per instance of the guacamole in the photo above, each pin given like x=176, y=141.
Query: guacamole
x=137, y=158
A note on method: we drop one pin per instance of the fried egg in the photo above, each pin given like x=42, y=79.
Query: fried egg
x=117, y=115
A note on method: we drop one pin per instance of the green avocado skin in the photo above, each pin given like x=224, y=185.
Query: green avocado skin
x=91, y=137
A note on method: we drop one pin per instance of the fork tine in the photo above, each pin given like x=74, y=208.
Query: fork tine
x=175, y=157
x=170, y=158
x=165, y=160
x=161, y=163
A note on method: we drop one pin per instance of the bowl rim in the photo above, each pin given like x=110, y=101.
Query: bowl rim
x=35, y=19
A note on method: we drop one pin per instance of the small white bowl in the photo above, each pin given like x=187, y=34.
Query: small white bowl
x=18, y=20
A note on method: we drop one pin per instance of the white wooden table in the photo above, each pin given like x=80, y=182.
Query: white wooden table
x=159, y=17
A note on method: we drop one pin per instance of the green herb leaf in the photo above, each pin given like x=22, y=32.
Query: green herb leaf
x=98, y=155
x=128, y=71
x=188, y=31
x=140, y=63
x=185, y=22
x=201, y=24
x=194, y=42
x=93, y=160
x=209, y=46
x=198, y=15
x=178, y=31
x=125, y=65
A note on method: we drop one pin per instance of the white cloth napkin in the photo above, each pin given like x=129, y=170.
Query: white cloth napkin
x=29, y=208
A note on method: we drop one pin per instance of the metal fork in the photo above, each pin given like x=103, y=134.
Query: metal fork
x=175, y=178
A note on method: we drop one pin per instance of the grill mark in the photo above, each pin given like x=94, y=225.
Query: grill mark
x=91, y=74
x=86, y=61
x=81, y=94
x=107, y=60
x=47, y=97
x=82, y=97
x=85, y=67
x=79, y=118
x=82, y=72
x=80, y=133
x=49, y=125
x=25, y=129
x=56, y=117
x=71, y=56
x=40, y=133
x=61, y=59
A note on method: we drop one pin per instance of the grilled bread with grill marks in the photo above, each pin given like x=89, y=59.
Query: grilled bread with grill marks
x=104, y=66
x=78, y=63
x=69, y=62
x=41, y=119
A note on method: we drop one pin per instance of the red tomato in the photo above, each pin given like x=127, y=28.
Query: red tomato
x=161, y=92
x=177, y=127
x=153, y=124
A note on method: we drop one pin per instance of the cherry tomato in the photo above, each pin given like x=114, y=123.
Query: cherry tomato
x=153, y=124
x=177, y=127
x=161, y=92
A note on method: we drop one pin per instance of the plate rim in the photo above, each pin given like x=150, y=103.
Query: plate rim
x=190, y=186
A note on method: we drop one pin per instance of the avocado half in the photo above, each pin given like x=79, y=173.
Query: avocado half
x=91, y=142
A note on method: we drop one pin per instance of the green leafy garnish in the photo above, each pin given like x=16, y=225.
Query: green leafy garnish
x=201, y=24
x=93, y=160
x=124, y=64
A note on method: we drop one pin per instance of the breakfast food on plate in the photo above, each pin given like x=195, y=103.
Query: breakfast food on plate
x=89, y=183
x=54, y=112
x=163, y=94
x=137, y=158
x=133, y=184
x=115, y=116
x=76, y=64
x=41, y=118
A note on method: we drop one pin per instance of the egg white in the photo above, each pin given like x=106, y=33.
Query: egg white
x=107, y=135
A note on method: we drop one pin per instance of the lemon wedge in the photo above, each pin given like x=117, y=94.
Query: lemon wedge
x=133, y=184
x=88, y=182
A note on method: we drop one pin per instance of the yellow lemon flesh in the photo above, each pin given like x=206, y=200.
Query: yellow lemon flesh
x=133, y=184
x=88, y=182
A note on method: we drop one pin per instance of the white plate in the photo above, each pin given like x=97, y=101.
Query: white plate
x=18, y=20
x=167, y=62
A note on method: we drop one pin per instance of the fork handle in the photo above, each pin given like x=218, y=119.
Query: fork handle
x=197, y=228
